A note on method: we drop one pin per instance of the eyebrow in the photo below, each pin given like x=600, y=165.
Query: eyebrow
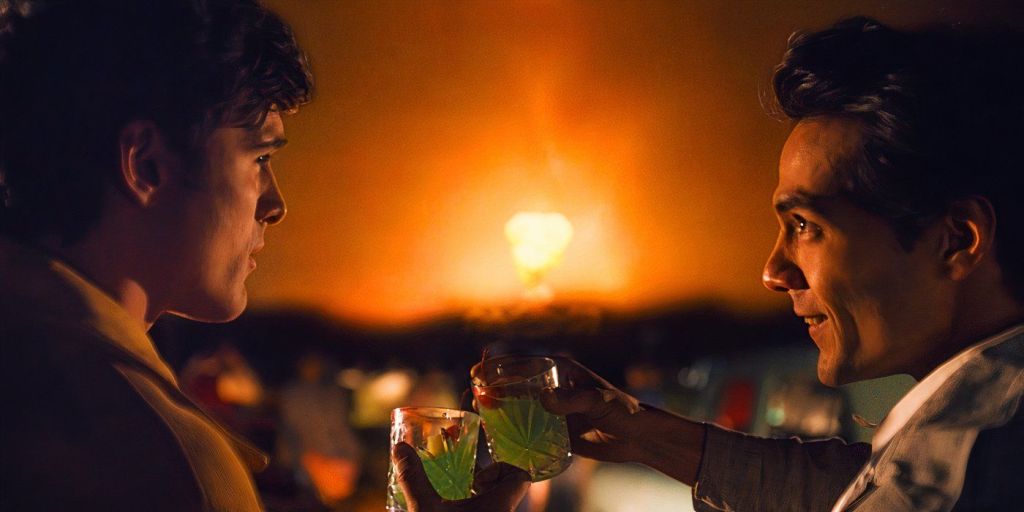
x=275, y=143
x=800, y=199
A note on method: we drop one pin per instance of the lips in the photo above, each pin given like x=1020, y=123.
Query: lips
x=815, y=325
x=252, y=255
x=814, y=320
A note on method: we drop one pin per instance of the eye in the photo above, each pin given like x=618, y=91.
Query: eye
x=263, y=159
x=804, y=228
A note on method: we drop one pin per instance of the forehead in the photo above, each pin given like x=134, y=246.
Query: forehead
x=268, y=135
x=272, y=127
x=814, y=147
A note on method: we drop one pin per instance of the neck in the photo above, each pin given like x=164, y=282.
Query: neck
x=109, y=266
x=972, y=328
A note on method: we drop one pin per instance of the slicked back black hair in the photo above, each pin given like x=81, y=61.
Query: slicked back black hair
x=942, y=116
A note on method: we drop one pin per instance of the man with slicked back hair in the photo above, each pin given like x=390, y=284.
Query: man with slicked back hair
x=901, y=246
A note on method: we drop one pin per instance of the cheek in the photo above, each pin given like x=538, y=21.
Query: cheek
x=835, y=293
x=834, y=277
x=224, y=245
x=827, y=283
x=235, y=212
x=873, y=305
x=904, y=307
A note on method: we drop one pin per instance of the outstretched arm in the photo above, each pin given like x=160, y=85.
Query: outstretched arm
x=745, y=472
x=728, y=470
x=604, y=426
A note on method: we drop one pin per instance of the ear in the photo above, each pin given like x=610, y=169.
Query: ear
x=969, y=232
x=146, y=161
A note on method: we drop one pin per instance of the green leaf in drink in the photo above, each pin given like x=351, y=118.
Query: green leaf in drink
x=522, y=433
x=448, y=462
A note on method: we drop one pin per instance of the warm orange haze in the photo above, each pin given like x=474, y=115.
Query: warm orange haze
x=436, y=122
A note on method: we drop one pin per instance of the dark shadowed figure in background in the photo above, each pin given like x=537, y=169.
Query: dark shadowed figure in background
x=225, y=386
x=316, y=438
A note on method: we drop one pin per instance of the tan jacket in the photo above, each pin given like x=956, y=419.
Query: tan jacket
x=93, y=417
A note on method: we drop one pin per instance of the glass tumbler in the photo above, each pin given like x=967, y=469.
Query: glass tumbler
x=445, y=440
x=519, y=430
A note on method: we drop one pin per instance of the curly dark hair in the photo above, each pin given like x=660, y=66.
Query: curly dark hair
x=942, y=116
x=73, y=73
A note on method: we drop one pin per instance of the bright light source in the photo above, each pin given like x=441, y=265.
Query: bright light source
x=538, y=241
x=377, y=395
x=390, y=387
x=351, y=378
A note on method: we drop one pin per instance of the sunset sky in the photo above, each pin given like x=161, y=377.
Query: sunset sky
x=435, y=121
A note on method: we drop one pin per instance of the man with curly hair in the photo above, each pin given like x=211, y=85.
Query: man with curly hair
x=136, y=139
x=135, y=148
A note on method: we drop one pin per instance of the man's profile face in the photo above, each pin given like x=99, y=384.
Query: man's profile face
x=223, y=219
x=870, y=306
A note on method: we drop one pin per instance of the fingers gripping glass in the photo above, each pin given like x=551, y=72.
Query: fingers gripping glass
x=445, y=440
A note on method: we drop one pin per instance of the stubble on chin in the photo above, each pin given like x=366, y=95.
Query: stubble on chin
x=830, y=371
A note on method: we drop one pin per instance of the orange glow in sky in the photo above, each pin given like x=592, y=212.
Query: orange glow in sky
x=436, y=121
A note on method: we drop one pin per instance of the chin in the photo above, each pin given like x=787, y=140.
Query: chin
x=834, y=375
x=828, y=377
x=215, y=310
x=210, y=317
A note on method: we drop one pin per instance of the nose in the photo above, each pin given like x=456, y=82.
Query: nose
x=781, y=273
x=271, y=208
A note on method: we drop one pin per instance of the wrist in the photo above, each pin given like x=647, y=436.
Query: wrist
x=670, y=444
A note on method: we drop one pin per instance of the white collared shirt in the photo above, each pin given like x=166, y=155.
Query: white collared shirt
x=905, y=417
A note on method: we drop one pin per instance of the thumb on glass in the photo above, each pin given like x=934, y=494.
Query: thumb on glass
x=412, y=478
x=499, y=487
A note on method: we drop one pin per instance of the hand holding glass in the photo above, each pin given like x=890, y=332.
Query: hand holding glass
x=445, y=440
